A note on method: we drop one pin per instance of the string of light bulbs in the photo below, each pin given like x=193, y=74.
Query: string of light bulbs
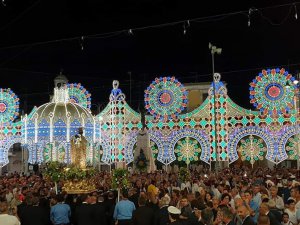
x=185, y=23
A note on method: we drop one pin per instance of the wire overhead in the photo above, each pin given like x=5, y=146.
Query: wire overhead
x=186, y=24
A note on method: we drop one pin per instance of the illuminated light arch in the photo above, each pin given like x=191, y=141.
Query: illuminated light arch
x=288, y=133
x=238, y=134
x=6, y=145
x=36, y=150
x=106, y=156
x=132, y=140
x=197, y=135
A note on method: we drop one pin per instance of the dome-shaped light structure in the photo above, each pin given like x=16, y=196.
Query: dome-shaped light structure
x=49, y=129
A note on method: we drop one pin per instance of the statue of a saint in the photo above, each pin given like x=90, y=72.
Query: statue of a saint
x=143, y=142
x=78, y=149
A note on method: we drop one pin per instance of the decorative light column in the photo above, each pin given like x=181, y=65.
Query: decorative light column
x=117, y=119
x=214, y=50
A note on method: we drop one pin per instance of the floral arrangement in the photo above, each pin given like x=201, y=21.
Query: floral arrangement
x=54, y=171
x=57, y=171
x=75, y=179
x=74, y=172
x=184, y=174
x=141, y=162
x=120, y=179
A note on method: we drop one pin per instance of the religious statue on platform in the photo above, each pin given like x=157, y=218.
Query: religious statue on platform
x=78, y=149
x=143, y=146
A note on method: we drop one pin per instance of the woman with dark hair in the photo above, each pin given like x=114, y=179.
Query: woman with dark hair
x=225, y=199
x=208, y=197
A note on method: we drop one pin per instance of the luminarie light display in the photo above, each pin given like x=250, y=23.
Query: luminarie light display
x=214, y=133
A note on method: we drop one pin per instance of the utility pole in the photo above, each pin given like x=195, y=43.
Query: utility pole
x=214, y=50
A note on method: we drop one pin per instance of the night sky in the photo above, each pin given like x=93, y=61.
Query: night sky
x=29, y=69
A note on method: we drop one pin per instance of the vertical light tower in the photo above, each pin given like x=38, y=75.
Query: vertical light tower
x=215, y=50
x=297, y=105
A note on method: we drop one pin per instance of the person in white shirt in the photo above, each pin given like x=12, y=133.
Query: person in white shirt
x=9, y=195
x=286, y=219
x=277, y=199
x=195, y=186
x=291, y=210
x=5, y=218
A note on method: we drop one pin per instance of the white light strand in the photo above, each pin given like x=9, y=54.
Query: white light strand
x=196, y=20
x=186, y=24
x=82, y=43
x=296, y=15
x=251, y=10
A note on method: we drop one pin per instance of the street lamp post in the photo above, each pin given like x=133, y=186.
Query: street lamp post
x=214, y=50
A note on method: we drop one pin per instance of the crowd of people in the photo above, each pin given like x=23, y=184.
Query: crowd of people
x=232, y=196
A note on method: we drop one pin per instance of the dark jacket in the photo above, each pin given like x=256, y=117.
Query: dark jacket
x=276, y=213
x=162, y=216
x=248, y=221
x=231, y=223
x=109, y=210
x=85, y=214
x=143, y=216
x=34, y=215
x=100, y=213
x=273, y=219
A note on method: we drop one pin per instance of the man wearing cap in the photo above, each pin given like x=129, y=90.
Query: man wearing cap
x=174, y=214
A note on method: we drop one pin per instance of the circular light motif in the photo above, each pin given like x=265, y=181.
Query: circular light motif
x=292, y=148
x=165, y=98
x=9, y=105
x=187, y=150
x=273, y=91
x=78, y=94
x=2, y=107
x=252, y=149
